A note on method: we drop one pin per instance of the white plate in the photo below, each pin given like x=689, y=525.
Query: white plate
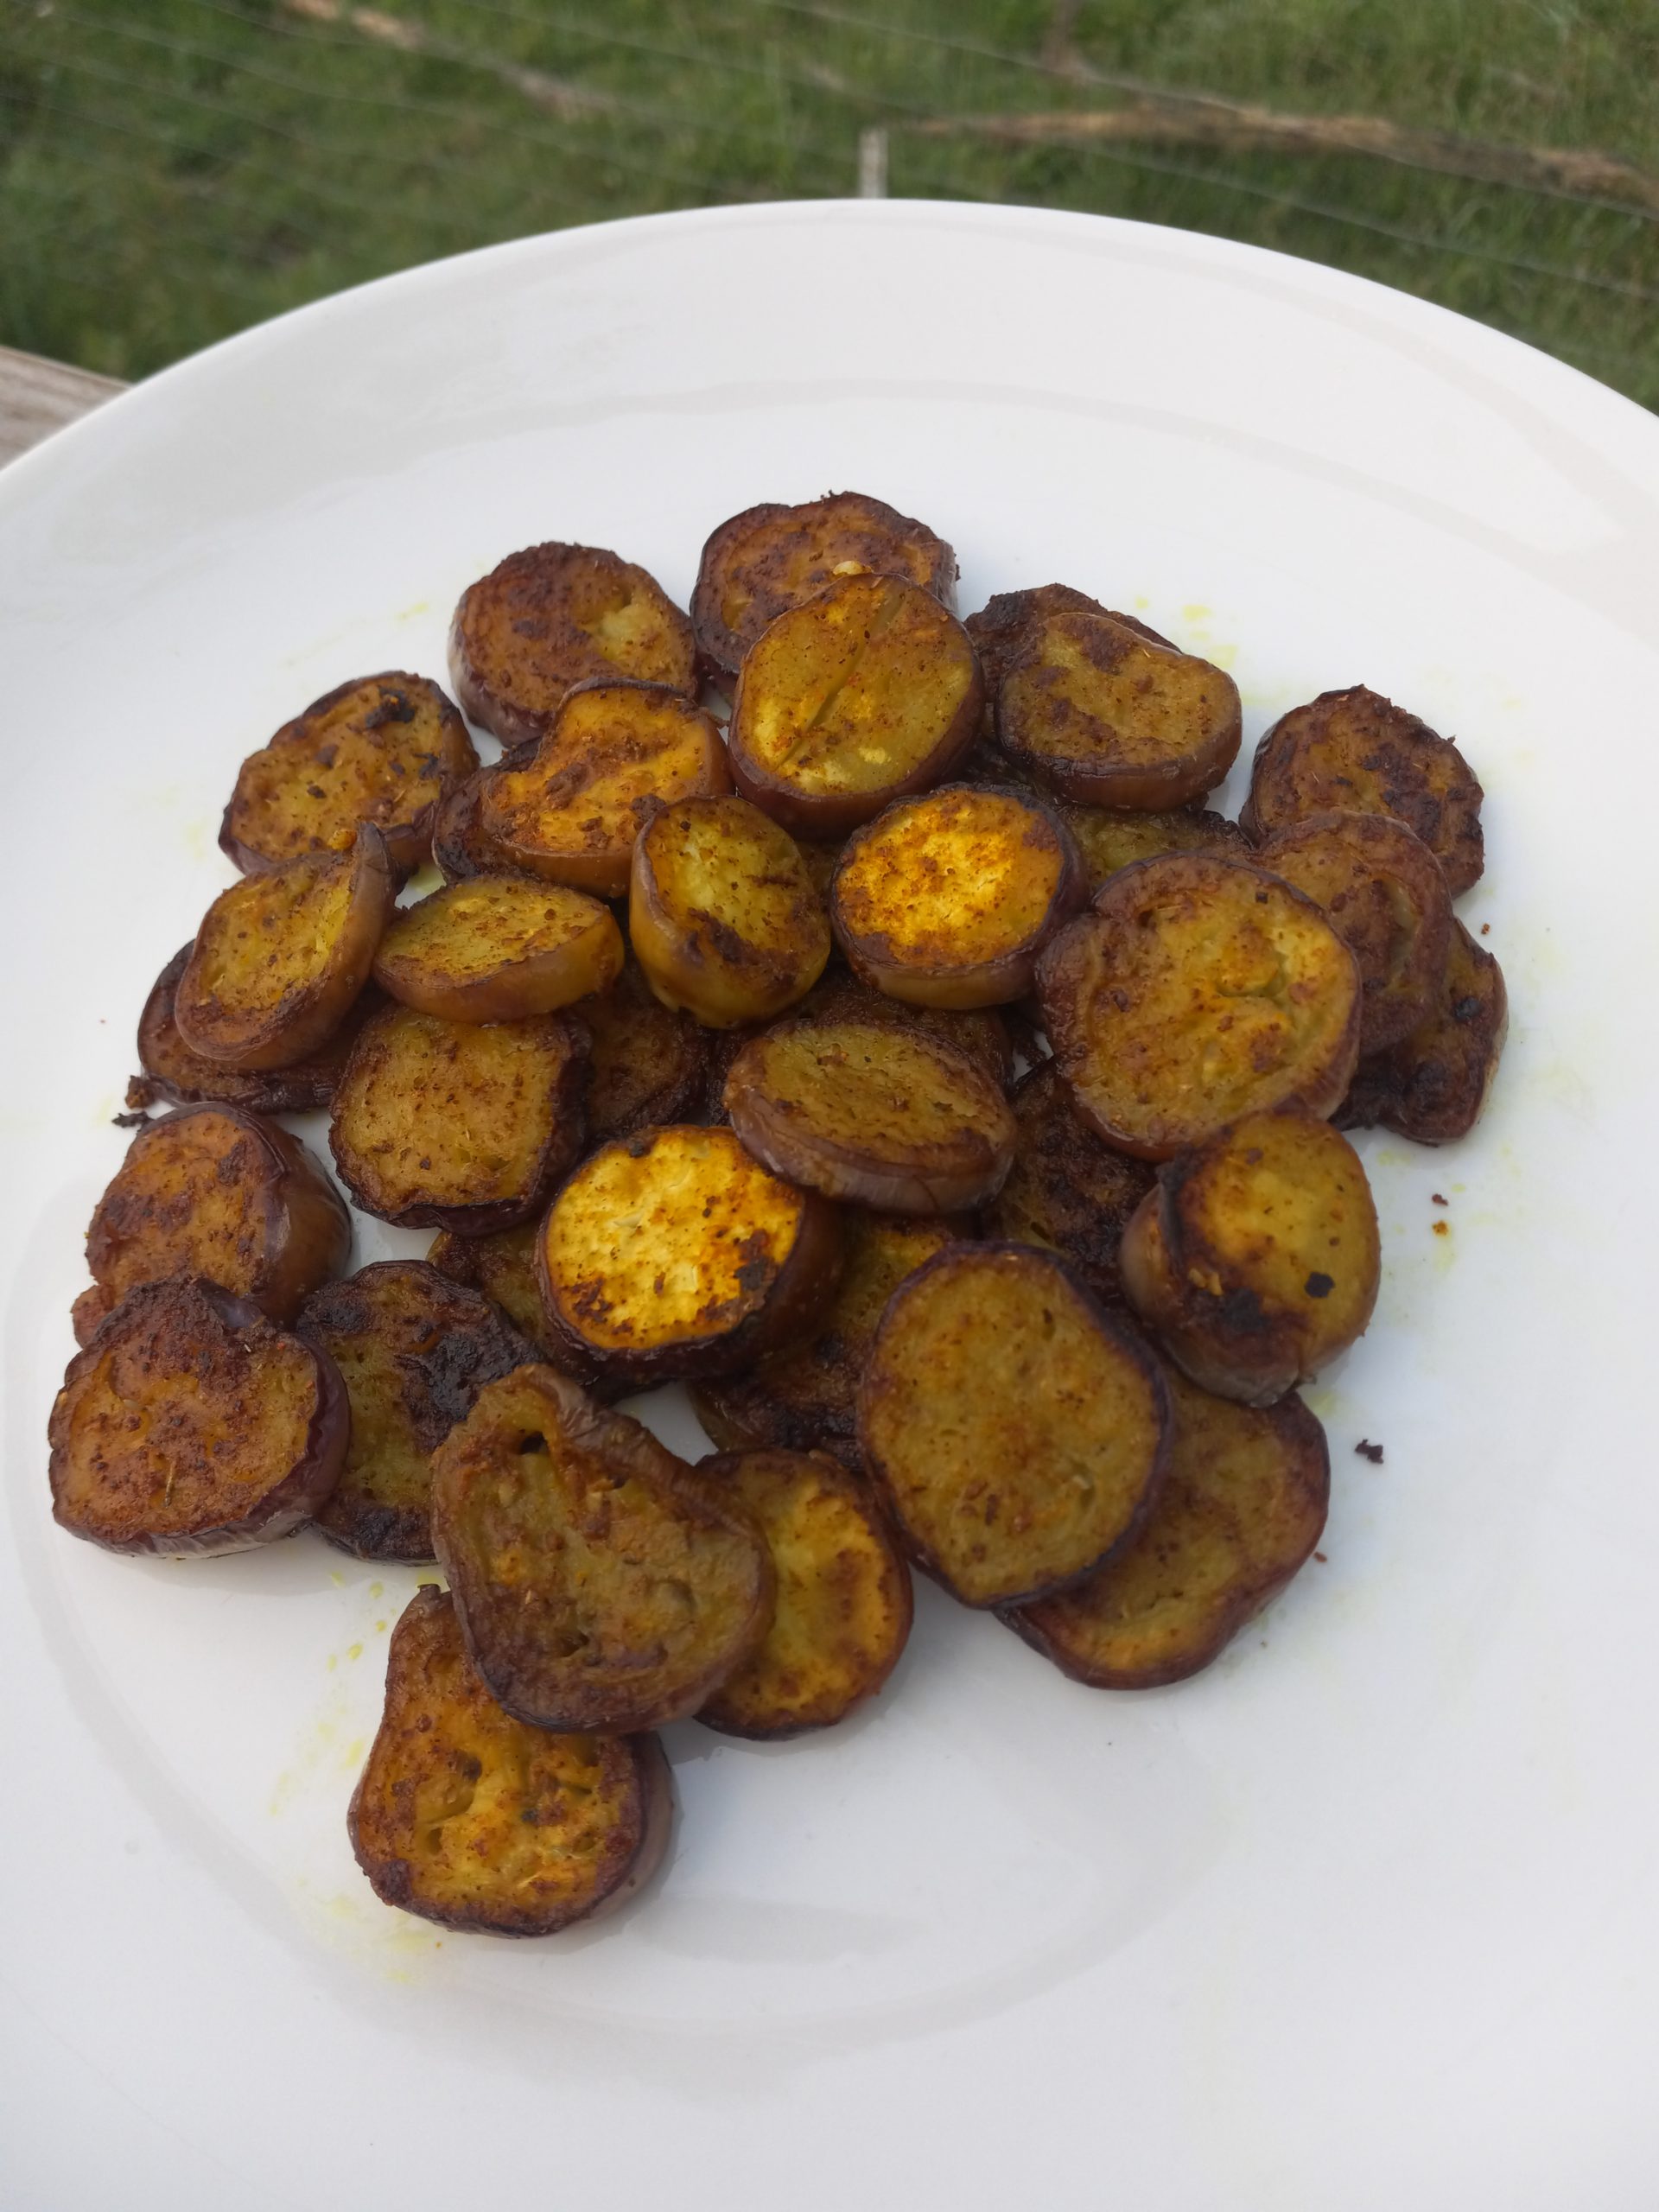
x=1364, y=1917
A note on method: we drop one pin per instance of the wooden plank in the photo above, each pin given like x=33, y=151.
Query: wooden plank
x=38, y=396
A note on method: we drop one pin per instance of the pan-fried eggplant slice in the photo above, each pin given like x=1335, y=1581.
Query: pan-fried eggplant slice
x=1067, y=1189
x=469, y=1818
x=1433, y=1086
x=213, y=1191
x=854, y=698
x=1198, y=990
x=386, y=749
x=804, y=1397
x=1256, y=1259
x=672, y=1252
x=842, y=1608
x=281, y=956
x=872, y=1112
x=600, y=1583
x=1002, y=627
x=555, y=616
x=1019, y=1434
x=946, y=899
x=1358, y=752
x=648, y=1064
x=1097, y=713
x=172, y=1072
x=191, y=1424
x=1387, y=899
x=981, y=1033
x=497, y=948
x=723, y=915
x=459, y=847
x=1109, y=837
x=771, y=558
x=571, y=813
x=414, y=1351
x=459, y=1125
x=1242, y=1505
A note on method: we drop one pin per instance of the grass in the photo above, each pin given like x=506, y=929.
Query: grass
x=171, y=170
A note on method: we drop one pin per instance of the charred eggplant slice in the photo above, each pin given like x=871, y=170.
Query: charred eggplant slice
x=387, y=749
x=1018, y=1435
x=873, y=1112
x=674, y=1253
x=471, y=1819
x=947, y=900
x=1242, y=1505
x=459, y=1125
x=723, y=915
x=552, y=617
x=414, y=1350
x=1068, y=1188
x=1197, y=990
x=173, y=1072
x=850, y=700
x=216, y=1191
x=1432, y=1087
x=842, y=1607
x=600, y=1582
x=768, y=559
x=1355, y=751
x=499, y=948
x=190, y=1424
x=1256, y=1259
x=281, y=956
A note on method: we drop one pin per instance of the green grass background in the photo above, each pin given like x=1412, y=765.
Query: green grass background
x=171, y=170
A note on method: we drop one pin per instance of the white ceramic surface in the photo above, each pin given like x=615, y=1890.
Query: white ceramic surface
x=1364, y=1918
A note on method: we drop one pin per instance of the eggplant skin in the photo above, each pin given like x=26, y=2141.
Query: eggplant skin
x=214, y=1190
x=538, y=1831
x=245, y=1434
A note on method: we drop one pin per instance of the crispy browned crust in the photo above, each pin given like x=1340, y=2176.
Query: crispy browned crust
x=1068, y=1188
x=1110, y=837
x=502, y=1268
x=473, y=1819
x=281, y=956
x=1387, y=901
x=191, y=1424
x=571, y=810
x=1242, y=1505
x=499, y=948
x=1197, y=990
x=172, y=1072
x=854, y=698
x=414, y=1350
x=771, y=557
x=554, y=616
x=723, y=915
x=1356, y=751
x=1256, y=1259
x=946, y=898
x=842, y=1612
x=213, y=1191
x=600, y=1584
x=673, y=1253
x=457, y=1125
x=870, y=1112
x=1433, y=1086
x=804, y=1397
x=648, y=1064
x=460, y=847
x=981, y=1034
x=386, y=749
x=1018, y=1433
x=1097, y=713
x=1003, y=626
